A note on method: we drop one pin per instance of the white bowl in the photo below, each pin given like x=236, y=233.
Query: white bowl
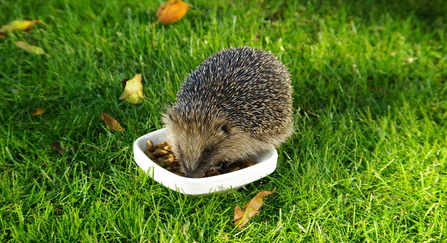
x=206, y=185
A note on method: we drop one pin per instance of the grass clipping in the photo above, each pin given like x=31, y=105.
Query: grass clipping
x=241, y=216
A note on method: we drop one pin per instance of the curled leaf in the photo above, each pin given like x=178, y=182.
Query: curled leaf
x=58, y=147
x=241, y=216
x=172, y=11
x=38, y=112
x=30, y=48
x=133, y=91
x=20, y=25
x=111, y=123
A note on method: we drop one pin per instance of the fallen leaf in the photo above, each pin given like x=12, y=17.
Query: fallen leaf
x=20, y=25
x=172, y=11
x=133, y=91
x=57, y=146
x=38, y=112
x=111, y=123
x=30, y=48
x=241, y=216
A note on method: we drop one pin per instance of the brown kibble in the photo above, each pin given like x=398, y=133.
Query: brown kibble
x=161, y=145
x=150, y=155
x=161, y=156
x=171, y=158
x=249, y=162
x=175, y=164
x=160, y=152
x=164, y=157
x=157, y=162
x=235, y=169
x=213, y=173
x=163, y=162
x=150, y=146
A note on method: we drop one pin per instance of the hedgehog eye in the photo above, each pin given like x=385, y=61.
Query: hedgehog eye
x=206, y=151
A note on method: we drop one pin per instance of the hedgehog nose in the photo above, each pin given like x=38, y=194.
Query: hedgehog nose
x=189, y=176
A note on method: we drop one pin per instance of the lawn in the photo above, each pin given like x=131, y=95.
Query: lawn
x=367, y=161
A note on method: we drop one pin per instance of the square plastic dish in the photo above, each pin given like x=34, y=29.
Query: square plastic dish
x=199, y=186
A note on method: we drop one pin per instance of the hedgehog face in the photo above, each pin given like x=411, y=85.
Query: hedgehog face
x=199, y=150
x=197, y=143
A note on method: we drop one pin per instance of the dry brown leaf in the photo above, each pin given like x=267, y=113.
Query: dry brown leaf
x=111, y=123
x=133, y=91
x=57, y=146
x=20, y=25
x=38, y=112
x=241, y=216
x=172, y=11
x=30, y=48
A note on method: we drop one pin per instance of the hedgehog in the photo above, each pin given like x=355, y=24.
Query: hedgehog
x=235, y=105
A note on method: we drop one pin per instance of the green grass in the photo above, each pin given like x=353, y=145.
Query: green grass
x=367, y=163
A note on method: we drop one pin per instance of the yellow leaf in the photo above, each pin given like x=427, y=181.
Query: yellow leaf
x=241, y=217
x=30, y=48
x=20, y=25
x=111, y=123
x=172, y=11
x=133, y=91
